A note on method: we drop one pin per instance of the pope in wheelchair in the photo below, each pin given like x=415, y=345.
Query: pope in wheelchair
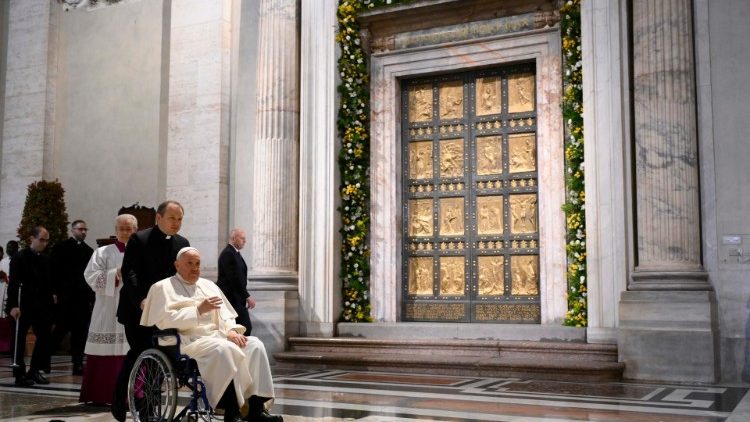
x=234, y=368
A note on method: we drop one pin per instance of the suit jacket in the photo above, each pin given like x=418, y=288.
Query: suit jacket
x=233, y=277
x=69, y=260
x=149, y=257
x=31, y=269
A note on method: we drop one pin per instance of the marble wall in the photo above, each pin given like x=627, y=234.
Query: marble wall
x=106, y=139
x=723, y=108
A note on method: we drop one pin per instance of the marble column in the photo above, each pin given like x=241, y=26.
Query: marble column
x=605, y=108
x=666, y=148
x=273, y=264
x=668, y=324
x=319, y=241
x=29, y=105
x=273, y=238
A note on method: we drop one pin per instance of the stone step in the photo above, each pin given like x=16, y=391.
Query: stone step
x=496, y=358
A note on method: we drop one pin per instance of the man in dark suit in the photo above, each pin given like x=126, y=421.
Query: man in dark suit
x=75, y=299
x=149, y=257
x=233, y=278
x=30, y=270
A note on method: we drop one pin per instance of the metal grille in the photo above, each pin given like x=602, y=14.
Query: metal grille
x=471, y=230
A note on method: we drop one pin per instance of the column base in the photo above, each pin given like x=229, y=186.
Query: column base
x=275, y=317
x=669, y=336
x=669, y=280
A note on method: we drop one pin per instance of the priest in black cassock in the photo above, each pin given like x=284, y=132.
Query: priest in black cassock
x=149, y=257
x=75, y=299
x=233, y=278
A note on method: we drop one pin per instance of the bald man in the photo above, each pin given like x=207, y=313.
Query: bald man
x=233, y=278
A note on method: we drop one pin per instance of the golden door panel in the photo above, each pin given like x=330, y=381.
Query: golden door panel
x=521, y=152
x=470, y=194
x=524, y=270
x=521, y=88
x=491, y=278
x=452, y=158
x=523, y=214
x=420, y=276
x=488, y=96
x=420, y=160
x=452, y=280
x=489, y=155
x=451, y=100
x=451, y=216
x=489, y=215
x=420, y=103
x=420, y=217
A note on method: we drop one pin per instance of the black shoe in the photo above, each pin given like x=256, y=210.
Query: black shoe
x=78, y=370
x=118, y=410
x=38, y=377
x=24, y=382
x=263, y=416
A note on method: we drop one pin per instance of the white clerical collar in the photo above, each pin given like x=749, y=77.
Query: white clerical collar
x=182, y=280
x=168, y=237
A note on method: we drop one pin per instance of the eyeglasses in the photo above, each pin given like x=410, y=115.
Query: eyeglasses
x=83, y=229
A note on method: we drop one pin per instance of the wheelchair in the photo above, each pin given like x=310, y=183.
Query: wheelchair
x=157, y=376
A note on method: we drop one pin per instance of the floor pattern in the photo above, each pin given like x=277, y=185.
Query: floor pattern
x=333, y=396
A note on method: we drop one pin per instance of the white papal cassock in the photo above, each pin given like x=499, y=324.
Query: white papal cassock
x=172, y=303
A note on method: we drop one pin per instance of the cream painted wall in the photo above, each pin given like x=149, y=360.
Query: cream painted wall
x=106, y=146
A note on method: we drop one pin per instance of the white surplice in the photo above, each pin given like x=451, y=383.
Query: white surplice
x=106, y=335
x=172, y=303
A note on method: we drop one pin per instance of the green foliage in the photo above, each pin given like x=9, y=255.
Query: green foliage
x=575, y=202
x=45, y=206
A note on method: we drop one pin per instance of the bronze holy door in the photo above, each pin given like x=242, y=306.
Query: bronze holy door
x=470, y=190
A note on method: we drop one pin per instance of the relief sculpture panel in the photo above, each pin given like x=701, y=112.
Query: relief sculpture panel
x=451, y=100
x=451, y=216
x=491, y=275
x=420, y=160
x=470, y=189
x=420, y=103
x=420, y=217
x=489, y=215
x=489, y=155
x=488, y=96
x=521, y=96
x=420, y=276
x=521, y=152
x=452, y=280
x=524, y=274
x=523, y=214
x=452, y=158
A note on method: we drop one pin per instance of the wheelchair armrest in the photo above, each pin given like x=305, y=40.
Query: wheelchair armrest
x=168, y=337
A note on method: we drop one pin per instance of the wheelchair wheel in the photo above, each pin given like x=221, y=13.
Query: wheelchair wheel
x=152, y=388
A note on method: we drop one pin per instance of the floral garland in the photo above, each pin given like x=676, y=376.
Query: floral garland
x=575, y=208
x=353, y=124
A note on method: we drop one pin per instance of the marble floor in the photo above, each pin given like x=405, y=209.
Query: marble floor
x=332, y=396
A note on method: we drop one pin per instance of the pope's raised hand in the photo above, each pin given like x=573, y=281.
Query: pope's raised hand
x=209, y=304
